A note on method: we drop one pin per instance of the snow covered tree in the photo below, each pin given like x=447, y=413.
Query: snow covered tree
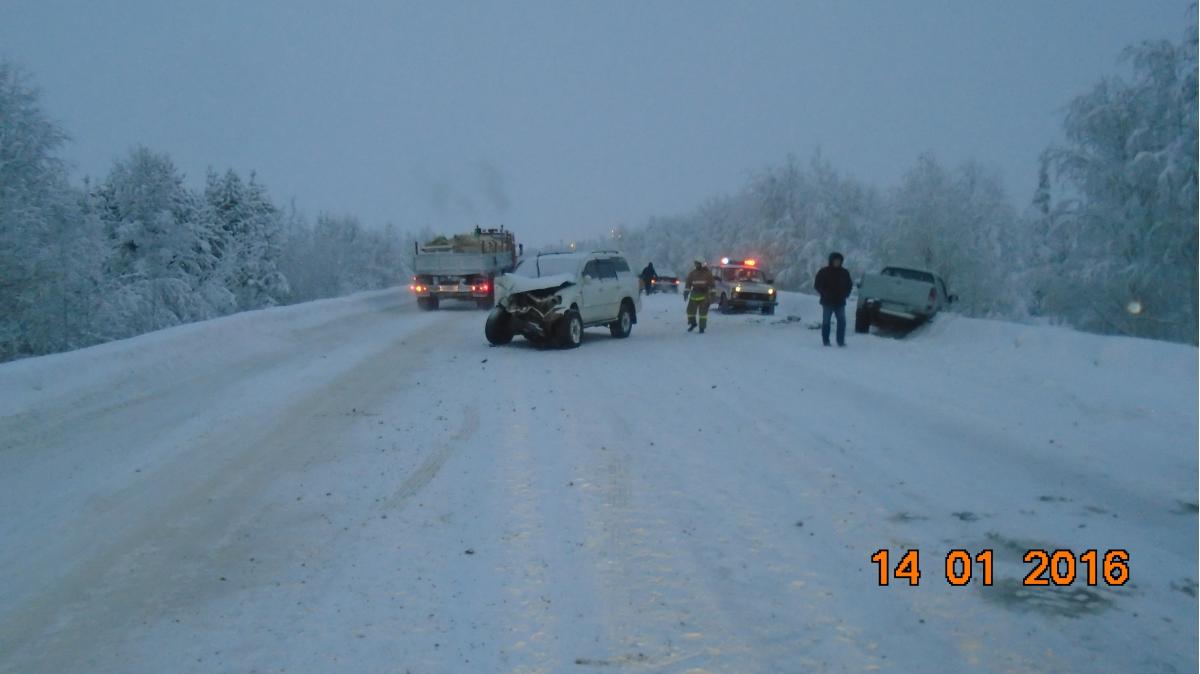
x=1125, y=224
x=162, y=268
x=249, y=228
x=49, y=254
x=960, y=225
x=338, y=255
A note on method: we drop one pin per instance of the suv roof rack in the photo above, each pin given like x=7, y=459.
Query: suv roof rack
x=612, y=252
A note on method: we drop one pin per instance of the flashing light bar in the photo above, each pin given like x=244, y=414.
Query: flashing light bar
x=750, y=262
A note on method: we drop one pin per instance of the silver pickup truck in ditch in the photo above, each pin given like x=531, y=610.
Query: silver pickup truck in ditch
x=900, y=293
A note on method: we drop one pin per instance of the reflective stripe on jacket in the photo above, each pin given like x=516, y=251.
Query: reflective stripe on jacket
x=699, y=281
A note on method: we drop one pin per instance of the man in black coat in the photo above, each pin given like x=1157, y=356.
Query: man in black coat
x=648, y=278
x=834, y=284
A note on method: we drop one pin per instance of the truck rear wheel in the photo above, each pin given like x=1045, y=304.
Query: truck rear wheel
x=428, y=303
x=486, y=303
x=862, y=321
x=498, y=328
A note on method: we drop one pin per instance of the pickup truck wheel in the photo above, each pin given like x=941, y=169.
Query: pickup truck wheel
x=428, y=303
x=486, y=303
x=862, y=321
x=621, y=327
x=570, y=330
x=498, y=328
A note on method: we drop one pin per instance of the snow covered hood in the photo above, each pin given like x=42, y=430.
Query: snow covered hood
x=513, y=283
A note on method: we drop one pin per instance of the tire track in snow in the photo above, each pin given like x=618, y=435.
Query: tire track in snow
x=433, y=463
x=661, y=614
x=167, y=557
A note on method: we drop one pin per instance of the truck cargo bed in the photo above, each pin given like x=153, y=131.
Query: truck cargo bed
x=461, y=264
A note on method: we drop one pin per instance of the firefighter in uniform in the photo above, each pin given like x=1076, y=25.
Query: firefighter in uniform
x=696, y=291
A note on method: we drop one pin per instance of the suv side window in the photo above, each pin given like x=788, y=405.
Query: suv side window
x=606, y=268
x=592, y=269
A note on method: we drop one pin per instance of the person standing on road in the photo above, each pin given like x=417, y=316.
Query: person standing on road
x=696, y=289
x=649, y=276
x=834, y=284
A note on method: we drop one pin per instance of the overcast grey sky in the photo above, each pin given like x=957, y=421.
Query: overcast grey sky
x=563, y=119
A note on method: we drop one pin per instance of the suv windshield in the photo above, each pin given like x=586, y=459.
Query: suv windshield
x=547, y=265
x=742, y=274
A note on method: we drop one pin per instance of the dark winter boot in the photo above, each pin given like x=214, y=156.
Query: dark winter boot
x=692, y=326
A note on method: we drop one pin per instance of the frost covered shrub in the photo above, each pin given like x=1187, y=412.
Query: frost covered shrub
x=1118, y=247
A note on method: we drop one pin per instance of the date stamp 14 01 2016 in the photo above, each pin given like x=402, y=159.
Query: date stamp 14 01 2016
x=1057, y=568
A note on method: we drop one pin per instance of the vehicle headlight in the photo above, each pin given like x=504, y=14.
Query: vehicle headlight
x=737, y=289
x=770, y=291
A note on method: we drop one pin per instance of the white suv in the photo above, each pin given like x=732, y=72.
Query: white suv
x=553, y=297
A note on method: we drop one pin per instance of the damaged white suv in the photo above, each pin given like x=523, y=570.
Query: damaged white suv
x=551, y=298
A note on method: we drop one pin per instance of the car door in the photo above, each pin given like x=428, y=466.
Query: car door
x=611, y=284
x=591, y=292
x=943, y=296
x=721, y=284
x=627, y=284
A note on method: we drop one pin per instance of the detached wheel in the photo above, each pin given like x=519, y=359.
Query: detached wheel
x=498, y=328
x=862, y=321
x=570, y=330
x=621, y=327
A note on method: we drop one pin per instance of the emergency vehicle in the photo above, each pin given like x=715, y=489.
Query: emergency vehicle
x=743, y=285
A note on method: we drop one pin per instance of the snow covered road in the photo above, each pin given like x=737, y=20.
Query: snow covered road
x=357, y=486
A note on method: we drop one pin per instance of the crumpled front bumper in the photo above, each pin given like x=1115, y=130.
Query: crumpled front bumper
x=533, y=315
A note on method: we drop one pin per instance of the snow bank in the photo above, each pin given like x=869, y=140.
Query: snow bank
x=185, y=348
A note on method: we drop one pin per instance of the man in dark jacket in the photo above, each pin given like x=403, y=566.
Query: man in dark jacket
x=834, y=284
x=649, y=276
